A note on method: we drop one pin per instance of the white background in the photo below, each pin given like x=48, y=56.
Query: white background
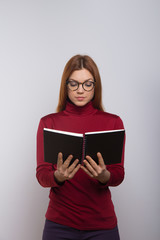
x=37, y=38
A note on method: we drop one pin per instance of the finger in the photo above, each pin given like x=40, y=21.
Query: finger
x=59, y=160
x=100, y=160
x=86, y=171
x=73, y=165
x=92, y=162
x=90, y=168
x=71, y=175
x=67, y=162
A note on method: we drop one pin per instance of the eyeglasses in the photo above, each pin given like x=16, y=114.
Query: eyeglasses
x=73, y=85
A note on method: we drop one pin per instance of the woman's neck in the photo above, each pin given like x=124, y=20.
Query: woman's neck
x=79, y=110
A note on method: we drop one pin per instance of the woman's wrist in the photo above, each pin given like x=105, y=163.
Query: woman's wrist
x=57, y=180
x=105, y=178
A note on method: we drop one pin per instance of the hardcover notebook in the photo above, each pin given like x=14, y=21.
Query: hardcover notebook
x=108, y=143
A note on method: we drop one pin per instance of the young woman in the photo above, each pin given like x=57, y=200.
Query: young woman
x=80, y=204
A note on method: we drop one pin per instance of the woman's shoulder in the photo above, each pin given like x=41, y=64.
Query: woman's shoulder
x=50, y=117
x=111, y=117
x=107, y=114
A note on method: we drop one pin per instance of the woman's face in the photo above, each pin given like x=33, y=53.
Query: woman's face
x=80, y=97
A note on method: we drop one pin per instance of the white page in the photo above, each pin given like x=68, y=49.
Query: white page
x=98, y=132
x=64, y=132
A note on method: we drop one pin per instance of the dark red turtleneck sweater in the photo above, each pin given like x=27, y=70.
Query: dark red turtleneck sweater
x=82, y=202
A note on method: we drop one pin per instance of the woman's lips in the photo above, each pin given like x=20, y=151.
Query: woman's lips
x=80, y=98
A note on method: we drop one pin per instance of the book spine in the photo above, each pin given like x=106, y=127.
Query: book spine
x=84, y=147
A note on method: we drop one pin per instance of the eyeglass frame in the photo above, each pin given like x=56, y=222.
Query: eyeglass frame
x=94, y=81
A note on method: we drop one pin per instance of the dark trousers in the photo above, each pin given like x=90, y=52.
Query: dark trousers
x=54, y=231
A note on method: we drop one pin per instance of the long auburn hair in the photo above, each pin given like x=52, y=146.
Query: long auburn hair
x=79, y=62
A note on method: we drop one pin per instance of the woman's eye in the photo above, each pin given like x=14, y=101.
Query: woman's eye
x=73, y=84
x=88, y=84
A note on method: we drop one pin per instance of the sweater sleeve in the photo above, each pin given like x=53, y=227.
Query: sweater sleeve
x=117, y=170
x=44, y=170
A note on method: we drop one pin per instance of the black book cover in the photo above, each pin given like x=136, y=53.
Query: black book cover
x=61, y=141
x=108, y=143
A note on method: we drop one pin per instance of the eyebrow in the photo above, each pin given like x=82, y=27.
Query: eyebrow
x=84, y=81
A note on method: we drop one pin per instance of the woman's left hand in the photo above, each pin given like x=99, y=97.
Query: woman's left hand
x=97, y=171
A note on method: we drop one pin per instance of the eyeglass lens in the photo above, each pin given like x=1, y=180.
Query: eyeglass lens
x=74, y=85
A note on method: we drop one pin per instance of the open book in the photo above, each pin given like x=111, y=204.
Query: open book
x=108, y=143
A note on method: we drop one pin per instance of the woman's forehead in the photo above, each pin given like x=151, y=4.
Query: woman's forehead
x=81, y=75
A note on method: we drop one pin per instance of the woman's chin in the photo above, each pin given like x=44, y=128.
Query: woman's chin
x=80, y=103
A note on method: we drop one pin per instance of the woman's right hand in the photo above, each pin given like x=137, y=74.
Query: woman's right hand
x=64, y=171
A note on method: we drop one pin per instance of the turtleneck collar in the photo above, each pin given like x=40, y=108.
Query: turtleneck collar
x=72, y=109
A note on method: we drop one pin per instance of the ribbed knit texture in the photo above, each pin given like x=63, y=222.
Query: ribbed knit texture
x=82, y=202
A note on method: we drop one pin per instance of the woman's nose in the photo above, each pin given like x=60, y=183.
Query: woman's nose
x=80, y=89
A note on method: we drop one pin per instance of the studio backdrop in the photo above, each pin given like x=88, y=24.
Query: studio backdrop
x=37, y=39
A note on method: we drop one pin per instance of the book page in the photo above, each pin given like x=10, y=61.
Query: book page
x=108, y=131
x=64, y=132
